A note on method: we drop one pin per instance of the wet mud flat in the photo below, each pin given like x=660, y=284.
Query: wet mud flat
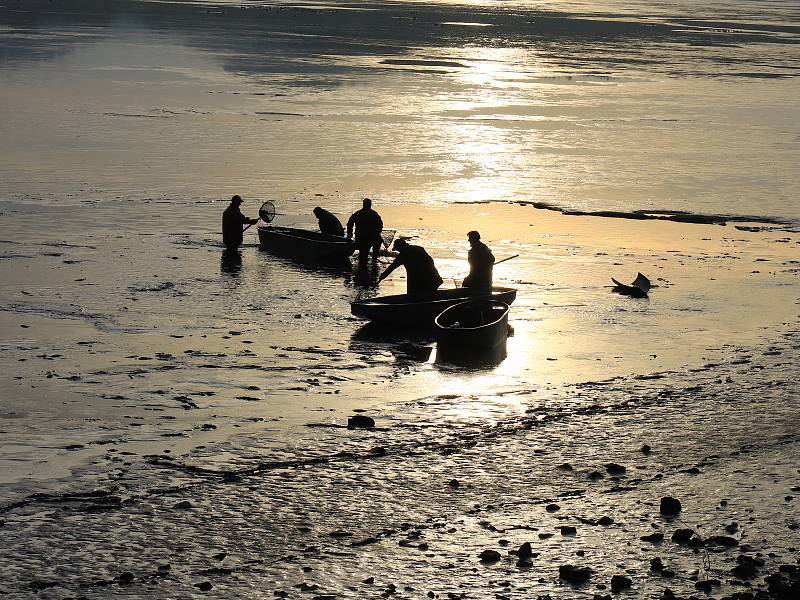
x=561, y=501
x=176, y=426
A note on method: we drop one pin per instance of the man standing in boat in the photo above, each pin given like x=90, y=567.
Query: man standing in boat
x=232, y=221
x=481, y=261
x=421, y=274
x=328, y=223
x=368, y=225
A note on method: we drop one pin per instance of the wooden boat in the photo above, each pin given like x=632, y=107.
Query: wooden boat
x=474, y=331
x=421, y=310
x=303, y=244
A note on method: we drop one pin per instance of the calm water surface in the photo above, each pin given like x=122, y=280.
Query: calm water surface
x=609, y=105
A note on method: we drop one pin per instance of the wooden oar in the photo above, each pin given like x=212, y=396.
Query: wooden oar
x=505, y=259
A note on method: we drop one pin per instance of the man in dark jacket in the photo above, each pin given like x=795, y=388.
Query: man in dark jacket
x=232, y=221
x=328, y=223
x=421, y=274
x=368, y=226
x=481, y=261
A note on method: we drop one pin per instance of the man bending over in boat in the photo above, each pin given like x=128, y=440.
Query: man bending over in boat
x=232, y=221
x=368, y=226
x=481, y=261
x=421, y=274
x=328, y=223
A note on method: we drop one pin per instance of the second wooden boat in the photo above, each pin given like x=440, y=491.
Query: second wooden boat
x=303, y=244
x=419, y=311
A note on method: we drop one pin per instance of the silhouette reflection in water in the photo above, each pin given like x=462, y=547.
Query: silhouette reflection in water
x=231, y=262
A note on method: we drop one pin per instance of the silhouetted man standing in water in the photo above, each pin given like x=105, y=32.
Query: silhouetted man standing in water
x=481, y=261
x=368, y=226
x=232, y=221
x=421, y=274
x=328, y=223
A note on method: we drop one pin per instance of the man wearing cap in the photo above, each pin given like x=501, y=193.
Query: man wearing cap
x=481, y=261
x=368, y=226
x=421, y=274
x=232, y=221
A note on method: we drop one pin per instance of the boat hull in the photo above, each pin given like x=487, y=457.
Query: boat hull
x=303, y=244
x=403, y=310
x=472, y=332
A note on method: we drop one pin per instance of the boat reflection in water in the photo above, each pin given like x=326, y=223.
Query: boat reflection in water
x=472, y=333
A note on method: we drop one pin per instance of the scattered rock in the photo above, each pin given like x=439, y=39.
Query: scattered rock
x=653, y=538
x=454, y=483
x=620, y=582
x=204, y=586
x=564, y=467
x=360, y=422
x=595, y=475
x=574, y=575
x=645, y=449
x=525, y=550
x=747, y=567
x=551, y=508
x=722, y=540
x=682, y=536
x=732, y=528
x=670, y=506
x=706, y=585
x=568, y=530
x=615, y=469
x=125, y=578
x=182, y=505
x=489, y=556
x=605, y=521
x=656, y=565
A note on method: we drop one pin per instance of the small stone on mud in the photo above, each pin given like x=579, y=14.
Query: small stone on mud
x=615, y=469
x=574, y=575
x=182, y=505
x=489, y=556
x=125, y=578
x=568, y=530
x=605, y=521
x=682, y=536
x=369, y=580
x=525, y=550
x=453, y=483
x=204, y=586
x=620, y=582
x=220, y=556
x=595, y=475
x=670, y=506
x=645, y=449
x=551, y=508
x=565, y=467
x=360, y=422
x=656, y=564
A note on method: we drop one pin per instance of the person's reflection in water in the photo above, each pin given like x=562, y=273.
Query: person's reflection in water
x=231, y=262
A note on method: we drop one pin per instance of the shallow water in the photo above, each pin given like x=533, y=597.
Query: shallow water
x=618, y=106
